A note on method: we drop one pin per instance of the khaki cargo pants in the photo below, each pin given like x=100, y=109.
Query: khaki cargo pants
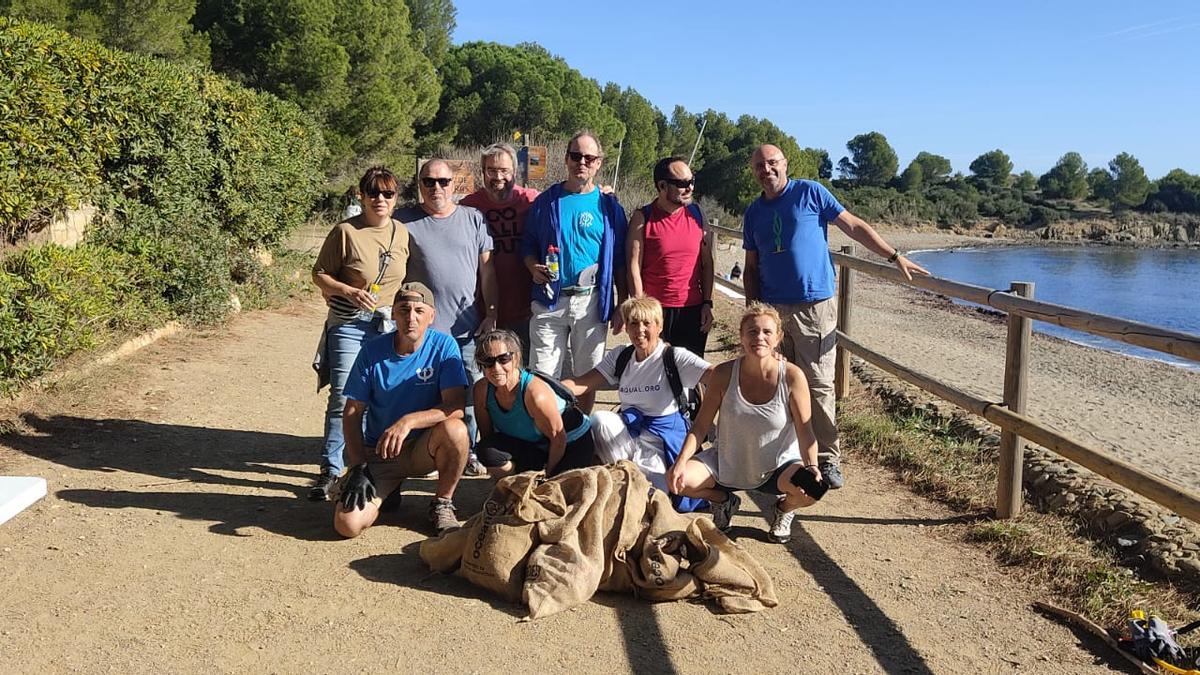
x=808, y=341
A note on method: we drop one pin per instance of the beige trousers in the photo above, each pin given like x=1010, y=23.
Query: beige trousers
x=808, y=341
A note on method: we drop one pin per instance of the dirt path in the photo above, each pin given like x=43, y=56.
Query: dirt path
x=176, y=538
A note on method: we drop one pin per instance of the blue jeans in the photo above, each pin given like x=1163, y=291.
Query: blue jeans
x=342, y=343
x=467, y=347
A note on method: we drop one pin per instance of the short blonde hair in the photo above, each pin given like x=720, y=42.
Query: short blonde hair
x=644, y=308
x=757, y=309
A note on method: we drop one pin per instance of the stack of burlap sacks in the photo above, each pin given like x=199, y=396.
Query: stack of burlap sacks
x=551, y=544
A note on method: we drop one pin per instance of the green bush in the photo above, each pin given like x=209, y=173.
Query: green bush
x=953, y=206
x=80, y=122
x=54, y=301
x=1040, y=216
x=1005, y=204
x=887, y=205
x=190, y=172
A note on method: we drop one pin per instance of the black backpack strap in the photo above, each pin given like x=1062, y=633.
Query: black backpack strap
x=555, y=386
x=646, y=212
x=623, y=361
x=671, y=369
x=697, y=213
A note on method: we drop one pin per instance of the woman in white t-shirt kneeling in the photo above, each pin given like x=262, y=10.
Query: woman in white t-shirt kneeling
x=650, y=428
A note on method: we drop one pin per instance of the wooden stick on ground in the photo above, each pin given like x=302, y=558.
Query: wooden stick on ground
x=1092, y=627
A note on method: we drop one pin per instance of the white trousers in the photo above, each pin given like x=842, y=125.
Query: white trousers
x=613, y=443
x=575, y=322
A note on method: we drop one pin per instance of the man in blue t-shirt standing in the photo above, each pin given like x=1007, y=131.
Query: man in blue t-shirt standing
x=412, y=387
x=786, y=236
x=587, y=228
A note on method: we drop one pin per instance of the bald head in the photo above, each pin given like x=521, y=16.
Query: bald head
x=770, y=169
x=436, y=182
x=442, y=168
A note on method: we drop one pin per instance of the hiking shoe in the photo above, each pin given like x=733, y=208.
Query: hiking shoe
x=322, y=486
x=474, y=467
x=441, y=514
x=831, y=473
x=781, y=524
x=723, y=512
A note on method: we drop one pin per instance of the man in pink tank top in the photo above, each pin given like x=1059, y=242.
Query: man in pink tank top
x=671, y=260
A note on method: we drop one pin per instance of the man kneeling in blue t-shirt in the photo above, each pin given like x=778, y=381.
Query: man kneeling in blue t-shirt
x=412, y=386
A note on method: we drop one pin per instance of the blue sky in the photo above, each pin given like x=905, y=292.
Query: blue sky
x=1035, y=79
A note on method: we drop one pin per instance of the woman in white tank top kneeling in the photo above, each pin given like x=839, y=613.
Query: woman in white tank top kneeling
x=763, y=438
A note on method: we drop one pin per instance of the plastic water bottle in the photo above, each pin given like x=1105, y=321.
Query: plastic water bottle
x=551, y=270
x=368, y=314
x=552, y=263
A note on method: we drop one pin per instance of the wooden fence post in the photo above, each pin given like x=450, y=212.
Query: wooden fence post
x=841, y=377
x=1016, y=368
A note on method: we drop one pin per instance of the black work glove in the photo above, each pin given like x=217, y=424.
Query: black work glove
x=359, y=488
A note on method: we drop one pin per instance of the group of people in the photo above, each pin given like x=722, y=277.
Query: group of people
x=435, y=365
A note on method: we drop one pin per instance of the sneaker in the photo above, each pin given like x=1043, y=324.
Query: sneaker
x=322, y=486
x=781, y=524
x=474, y=467
x=723, y=512
x=831, y=472
x=441, y=514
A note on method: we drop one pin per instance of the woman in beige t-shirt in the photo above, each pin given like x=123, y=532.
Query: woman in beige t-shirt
x=359, y=269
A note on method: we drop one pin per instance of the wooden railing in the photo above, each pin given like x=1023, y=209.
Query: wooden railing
x=1009, y=413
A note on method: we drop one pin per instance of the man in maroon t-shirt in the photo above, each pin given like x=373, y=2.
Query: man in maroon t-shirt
x=670, y=259
x=504, y=205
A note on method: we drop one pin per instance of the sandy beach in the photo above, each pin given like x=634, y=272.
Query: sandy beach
x=1143, y=411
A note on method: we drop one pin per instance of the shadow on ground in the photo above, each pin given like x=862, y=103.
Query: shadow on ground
x=172, y=460
x=887, y=642
x=408, y=570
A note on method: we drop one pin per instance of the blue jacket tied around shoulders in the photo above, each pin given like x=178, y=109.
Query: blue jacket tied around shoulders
x=542, y=230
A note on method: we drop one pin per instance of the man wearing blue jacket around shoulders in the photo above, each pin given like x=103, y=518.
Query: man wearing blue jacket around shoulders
x=587, y=228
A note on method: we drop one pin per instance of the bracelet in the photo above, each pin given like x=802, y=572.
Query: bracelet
x=895, y=255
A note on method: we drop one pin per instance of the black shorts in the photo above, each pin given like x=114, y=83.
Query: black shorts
x=769, y=486
x=500, y=449
x=681, y=328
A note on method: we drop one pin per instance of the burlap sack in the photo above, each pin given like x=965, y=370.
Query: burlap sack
x=590, y=519
x=492, y=547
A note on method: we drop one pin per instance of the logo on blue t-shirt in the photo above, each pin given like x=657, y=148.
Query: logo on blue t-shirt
x=425, y=375
x=586, y=219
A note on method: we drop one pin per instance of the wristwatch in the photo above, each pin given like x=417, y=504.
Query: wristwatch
x=895, y=255
x=706, y=303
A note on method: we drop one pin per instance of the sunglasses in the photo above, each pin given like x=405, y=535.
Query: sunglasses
x=386, y=194
x=430, y=182
x=489, y=361
x=681, y=183
x=580, y=157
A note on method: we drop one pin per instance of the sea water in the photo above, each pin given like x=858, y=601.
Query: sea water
x=1154, y=286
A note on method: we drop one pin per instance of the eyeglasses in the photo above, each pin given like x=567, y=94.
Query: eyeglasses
x=580, y=157
x=681, y=183
x=488, y=361
x=429, y=182
x=386, y=194
x=773, y=162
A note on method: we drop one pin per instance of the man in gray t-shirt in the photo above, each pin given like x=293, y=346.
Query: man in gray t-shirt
x=450, y=250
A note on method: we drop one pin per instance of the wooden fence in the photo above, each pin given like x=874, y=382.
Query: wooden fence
x=1009, y=414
